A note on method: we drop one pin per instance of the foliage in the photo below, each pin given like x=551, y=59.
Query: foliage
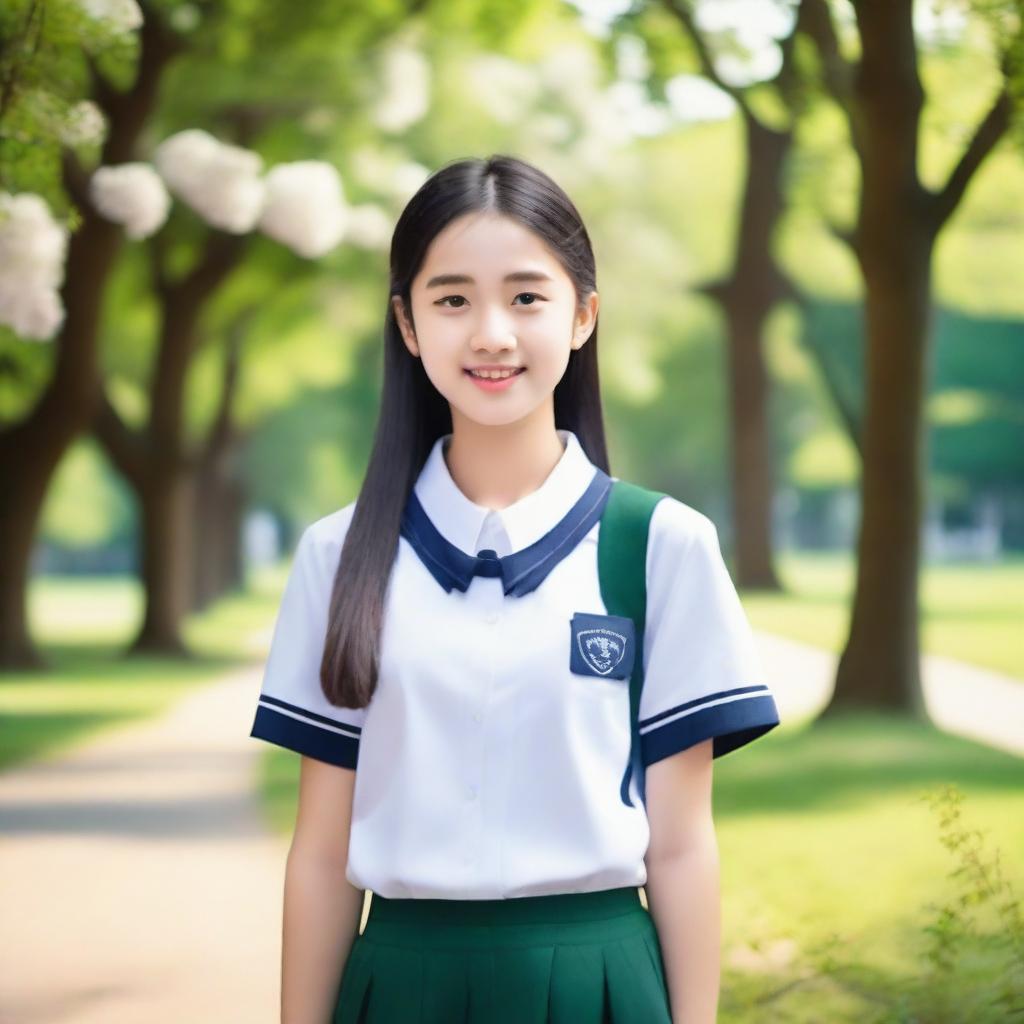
x=959, y=968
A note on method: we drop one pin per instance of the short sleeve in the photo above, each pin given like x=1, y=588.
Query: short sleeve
x=292, y=711
x=702, y=675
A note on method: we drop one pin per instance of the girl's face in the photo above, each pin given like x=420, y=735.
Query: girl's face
x=490, y=295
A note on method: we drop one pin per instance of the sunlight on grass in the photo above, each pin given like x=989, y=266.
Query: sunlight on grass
x=84, y=627
x=970, y=612
x=824, y=840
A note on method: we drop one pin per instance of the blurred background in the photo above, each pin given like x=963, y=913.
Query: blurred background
x=807, y=218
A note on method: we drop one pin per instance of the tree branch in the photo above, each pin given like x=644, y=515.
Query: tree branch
x=684, y=15
x=221, y=254
x=221, y=430
x=125, y=449
x=155, y=247
x=990, y=130
x=815, y=21
x=847, y=414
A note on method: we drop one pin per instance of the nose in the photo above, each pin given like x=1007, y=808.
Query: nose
x=494, y=334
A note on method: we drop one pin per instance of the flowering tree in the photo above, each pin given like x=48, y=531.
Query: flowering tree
x=39, y=254
x=54, y=277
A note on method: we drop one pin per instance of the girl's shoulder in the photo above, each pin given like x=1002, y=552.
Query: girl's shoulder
x=676, y=527
x=323, y=538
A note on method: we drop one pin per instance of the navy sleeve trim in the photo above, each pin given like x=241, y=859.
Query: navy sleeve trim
x=306, y=732
x=731, y=717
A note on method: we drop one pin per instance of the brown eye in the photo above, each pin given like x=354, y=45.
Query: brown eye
x=441, y=302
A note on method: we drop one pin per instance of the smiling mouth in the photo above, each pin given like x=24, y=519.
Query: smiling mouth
x=495, y=374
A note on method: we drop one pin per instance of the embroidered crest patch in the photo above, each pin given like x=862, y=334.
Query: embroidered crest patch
x=602, y=645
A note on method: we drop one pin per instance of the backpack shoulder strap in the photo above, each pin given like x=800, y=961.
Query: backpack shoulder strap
x=622, y=571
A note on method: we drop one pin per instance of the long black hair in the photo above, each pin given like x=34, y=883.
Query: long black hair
x=414, y=414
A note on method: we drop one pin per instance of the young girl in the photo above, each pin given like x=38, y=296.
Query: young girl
x=458, y=688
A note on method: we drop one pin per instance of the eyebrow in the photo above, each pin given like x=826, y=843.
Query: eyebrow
x=516, y=275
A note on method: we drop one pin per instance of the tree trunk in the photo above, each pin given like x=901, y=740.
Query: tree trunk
x=879, y=666
x=167, y=502
x=156, y=460
x=20, y=504
x=220, y=510
x=755, y=288
x=31, y=449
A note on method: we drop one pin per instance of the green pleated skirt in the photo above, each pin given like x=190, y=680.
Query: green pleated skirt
x=567, y=958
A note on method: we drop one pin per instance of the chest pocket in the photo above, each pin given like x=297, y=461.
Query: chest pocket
x=602, y=645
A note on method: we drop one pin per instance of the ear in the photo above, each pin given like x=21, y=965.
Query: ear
x=586, y=317
x=408, y=334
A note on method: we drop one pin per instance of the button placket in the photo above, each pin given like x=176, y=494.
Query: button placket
x=490, y=616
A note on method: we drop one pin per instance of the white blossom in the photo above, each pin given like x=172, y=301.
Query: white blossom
x=369, y=226
x=754, y=19
x=406, y=179
x=185, y=18
x=405, y=96
x=693, y=98
x=505, y=88
x=131, y=194
x=371, y=166
x=219, y=181
x=937, y=23
x=632, y=62
x=83, y=125
x=123, y=15
x=33, y=246
x=572, y=72
x=746, y=49
x=305, y=207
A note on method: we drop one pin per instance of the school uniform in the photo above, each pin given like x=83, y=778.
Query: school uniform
x=498, y=812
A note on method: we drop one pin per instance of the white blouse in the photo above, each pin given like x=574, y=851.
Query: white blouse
x=490, y=756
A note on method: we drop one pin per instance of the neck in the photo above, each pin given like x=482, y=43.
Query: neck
x=497, y=466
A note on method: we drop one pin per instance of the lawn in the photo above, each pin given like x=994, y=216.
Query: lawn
x=832, y=866
x=971, y=612
x=82, y=626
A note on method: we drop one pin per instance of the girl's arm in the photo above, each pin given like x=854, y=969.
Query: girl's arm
x=322, y=909
x=682, y=887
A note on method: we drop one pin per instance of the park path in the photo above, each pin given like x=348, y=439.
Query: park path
x=972, y=702
x=140, y=883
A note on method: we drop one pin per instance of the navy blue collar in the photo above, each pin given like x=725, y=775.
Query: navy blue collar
x=521, y=571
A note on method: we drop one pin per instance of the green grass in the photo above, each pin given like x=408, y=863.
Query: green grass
x=970, y=612
x=824, y=840
x=82, y=627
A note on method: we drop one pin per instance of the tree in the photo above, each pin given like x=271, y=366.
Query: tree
x=898, y=222
x=128, y=95
x=32, y=446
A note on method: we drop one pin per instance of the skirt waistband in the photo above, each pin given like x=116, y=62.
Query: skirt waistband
x=548, y=908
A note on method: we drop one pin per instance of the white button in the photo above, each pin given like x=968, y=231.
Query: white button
x=477, y=717
x=491, y=618
x=471, y=793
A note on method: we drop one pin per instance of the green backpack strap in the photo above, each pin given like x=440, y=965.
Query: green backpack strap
x=622, y=572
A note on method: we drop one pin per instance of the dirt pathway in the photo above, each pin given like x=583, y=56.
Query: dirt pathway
x=139, y=882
